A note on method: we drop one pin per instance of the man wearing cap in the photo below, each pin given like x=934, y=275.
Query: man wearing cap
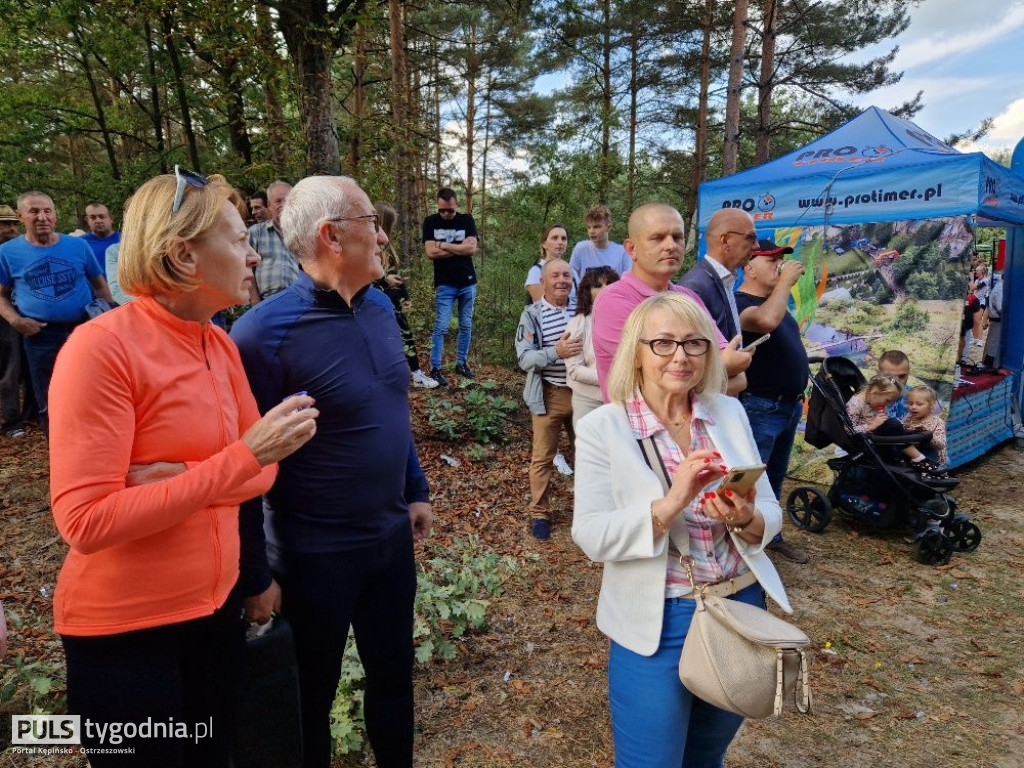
x=777, y=377
x=10, y=347
x=53, y=277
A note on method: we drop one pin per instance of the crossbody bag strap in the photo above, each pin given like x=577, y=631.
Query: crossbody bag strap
x=653, y=459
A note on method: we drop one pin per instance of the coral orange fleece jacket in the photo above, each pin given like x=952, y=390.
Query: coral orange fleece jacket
x=137, y=385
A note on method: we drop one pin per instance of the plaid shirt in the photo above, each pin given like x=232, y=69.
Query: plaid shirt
x=278, y=268
x=714, y=556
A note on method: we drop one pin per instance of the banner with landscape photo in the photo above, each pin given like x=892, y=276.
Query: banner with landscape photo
x=871, y=287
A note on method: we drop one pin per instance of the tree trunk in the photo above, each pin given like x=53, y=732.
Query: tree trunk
x=472, y=74
x=238, y=129
x=405, y=192
x=312, y=43
x=766, y=81
x=481, y=226
x=731, y=150
x=272, y=103
x=179, y=88
x=700, y=148
x=154, y=95
x=604, y=172
x=634, y=55
x=97, y=100
x=359, y=102
x=436, y=113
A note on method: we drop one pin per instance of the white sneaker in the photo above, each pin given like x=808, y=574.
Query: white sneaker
x=420, y=379
x=562, y=465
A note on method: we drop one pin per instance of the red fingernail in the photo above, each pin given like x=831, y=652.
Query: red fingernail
x=724, y=468
x=707, y=461
x=716, y=453
x=728, y=493
x=709, y=495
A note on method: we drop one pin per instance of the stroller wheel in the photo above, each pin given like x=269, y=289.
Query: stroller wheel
x=934, y=548
x=938, y=509
x=809, y=509
x=965, y=535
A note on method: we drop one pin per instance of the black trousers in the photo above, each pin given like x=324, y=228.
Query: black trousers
x=372, y=590
x=188, y=674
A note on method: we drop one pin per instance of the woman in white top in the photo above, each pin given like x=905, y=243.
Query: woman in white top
x=581, y=369
x=664, y=386
x=553, y=244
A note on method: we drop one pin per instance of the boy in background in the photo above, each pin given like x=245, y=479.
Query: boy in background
x=597, y=250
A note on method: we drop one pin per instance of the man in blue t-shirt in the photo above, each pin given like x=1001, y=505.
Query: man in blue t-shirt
x=101, y=234
x=46, y=281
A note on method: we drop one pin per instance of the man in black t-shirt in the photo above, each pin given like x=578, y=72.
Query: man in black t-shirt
x=450, y=241
x=777, y=376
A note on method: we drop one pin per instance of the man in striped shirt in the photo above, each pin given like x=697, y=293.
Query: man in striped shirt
x=541, y=348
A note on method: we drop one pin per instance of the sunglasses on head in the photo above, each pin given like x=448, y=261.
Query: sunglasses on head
x=185, y=178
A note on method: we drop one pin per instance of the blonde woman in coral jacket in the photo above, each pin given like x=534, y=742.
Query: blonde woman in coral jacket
x=155, y=439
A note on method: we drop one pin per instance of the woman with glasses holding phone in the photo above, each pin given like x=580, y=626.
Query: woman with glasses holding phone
x=155, y=441
x=666, y=410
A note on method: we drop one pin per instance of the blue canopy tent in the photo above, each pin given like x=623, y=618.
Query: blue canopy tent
x=876, y=167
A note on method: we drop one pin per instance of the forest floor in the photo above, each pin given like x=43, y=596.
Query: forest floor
x=917, y=666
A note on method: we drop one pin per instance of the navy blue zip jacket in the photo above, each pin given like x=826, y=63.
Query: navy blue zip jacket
x=351, y=484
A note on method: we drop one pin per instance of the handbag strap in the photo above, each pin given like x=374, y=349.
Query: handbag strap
x=654, y=461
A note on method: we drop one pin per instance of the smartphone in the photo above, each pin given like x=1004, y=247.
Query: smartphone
x=741, y=479
x=755, y=342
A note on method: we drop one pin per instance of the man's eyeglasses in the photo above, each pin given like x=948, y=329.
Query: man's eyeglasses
x=446, y=211
x=750, y=237
x=668, y=347
x=185, y=178
x=373, y=218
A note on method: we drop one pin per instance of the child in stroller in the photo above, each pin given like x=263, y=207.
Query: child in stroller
x=921, y=402
x=867, y=487
x=867, y=412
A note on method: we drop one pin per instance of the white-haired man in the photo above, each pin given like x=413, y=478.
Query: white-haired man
x=278, y=267
x=345, y=510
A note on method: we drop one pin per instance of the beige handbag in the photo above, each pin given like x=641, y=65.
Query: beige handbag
x=737, y=656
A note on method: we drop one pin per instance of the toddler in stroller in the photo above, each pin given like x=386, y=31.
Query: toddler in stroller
x=867, y=412
x=866, y=486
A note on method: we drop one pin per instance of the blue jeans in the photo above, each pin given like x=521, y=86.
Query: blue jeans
x=656, y=721
x=445, y=297
x=41, y=353
x=774, y=426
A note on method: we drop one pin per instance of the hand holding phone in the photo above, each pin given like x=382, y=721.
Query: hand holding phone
x=740, y=480
x=756, y=342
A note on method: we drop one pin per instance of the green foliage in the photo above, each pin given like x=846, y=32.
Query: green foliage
x=453, y=591
x=481, y=416
x=909, y=318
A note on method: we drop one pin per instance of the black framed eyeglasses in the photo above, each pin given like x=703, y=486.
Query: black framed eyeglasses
x=185, y=178
x=374, y=219
x=750, y=237
x=667, y=347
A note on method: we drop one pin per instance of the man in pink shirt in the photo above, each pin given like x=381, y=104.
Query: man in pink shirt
x=655, y=244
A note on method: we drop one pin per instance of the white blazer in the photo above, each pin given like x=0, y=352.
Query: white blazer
x=612, y=524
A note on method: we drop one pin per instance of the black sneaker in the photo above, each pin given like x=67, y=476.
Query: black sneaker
x=435, y=374
x=463, y=370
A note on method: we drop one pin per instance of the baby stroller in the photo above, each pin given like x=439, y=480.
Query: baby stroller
x=879, y=493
